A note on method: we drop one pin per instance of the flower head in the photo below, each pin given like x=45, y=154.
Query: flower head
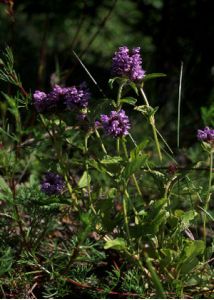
x=60, y=97
x=116, y=123
x=206, y=135
x=128, y=64
x=40, y=101
x=52, y=184
x=57, y=95
x=77, y=97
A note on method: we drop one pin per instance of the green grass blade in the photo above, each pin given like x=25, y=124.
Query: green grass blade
x=179, y=106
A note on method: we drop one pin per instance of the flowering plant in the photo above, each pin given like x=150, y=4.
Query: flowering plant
x=81, y=189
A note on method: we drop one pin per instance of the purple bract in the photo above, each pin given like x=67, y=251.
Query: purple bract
x=116, y=123
x=52, y=184
x=206, y=135
x=128, y=64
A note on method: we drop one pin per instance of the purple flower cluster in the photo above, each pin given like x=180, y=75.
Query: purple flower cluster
x=116, y=124
x=62, y=97
x=52, y=184
x=206, y=135
x=77, y=96
x=128, y=64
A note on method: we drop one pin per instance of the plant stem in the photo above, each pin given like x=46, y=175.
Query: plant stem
x=125, y=197
x=18, y=218
x=136, y=184
x=101, y=142
x=179, y=107
x=137, y=219
x=211, y=170
x=133, y=176
x=206, y=206
x=152, y=123
x=155, y=277
x=119, y=94
x=88, y=179
x=118, y=146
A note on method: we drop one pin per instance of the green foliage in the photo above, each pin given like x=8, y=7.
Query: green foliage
x=207, y=114
x=117, y=244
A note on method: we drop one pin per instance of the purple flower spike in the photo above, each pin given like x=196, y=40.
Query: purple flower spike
x=206, y=135
x=61, y=97
x=126, y=64
x=116, y=124
x=40, y=101
x=77, y=97
x=56, y=98
x=52, y=184
x=57, y=94
x=137, y=72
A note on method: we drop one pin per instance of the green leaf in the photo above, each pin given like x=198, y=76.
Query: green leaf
x=157, y=215
x=153, y=75
x=134, y=87
x=169, y=256
x=84, y=180
x=193, y=248
x=128, y=100
x=188, y=259
x=137, y=150
x=111, y=160
x=93, y=163
x=157, y=175
x=134, y=165
x=185, y=217
x=117, y=244
x=153, y=225
x=146, y=110
x=119, y=80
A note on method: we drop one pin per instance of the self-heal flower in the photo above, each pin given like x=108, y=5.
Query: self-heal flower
x=77, y=97
x=61, y=97
x=206, y=135
x=52, y=184
x=40, y=101
x=128, y=64
x=49, y=102
x=116, y=123
x=57, y=96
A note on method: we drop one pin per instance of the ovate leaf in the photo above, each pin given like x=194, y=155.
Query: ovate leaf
x=84, y=180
